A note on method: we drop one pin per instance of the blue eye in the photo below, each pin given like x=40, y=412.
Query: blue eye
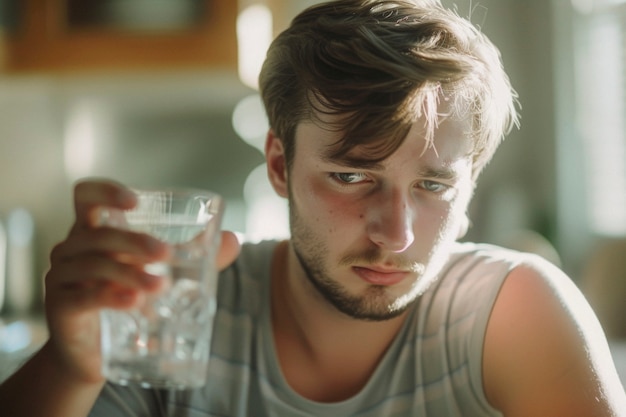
x=349, y=177
x=433, y=186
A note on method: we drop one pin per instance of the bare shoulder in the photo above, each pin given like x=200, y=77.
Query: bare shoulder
x=545, y=353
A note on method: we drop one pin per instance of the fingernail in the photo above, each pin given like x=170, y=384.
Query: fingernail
x=127, y=198
x=149, y=279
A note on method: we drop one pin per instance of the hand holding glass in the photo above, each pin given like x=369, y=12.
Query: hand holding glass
x=165, y=342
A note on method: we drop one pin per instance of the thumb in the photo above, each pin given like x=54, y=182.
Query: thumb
x=229, y=250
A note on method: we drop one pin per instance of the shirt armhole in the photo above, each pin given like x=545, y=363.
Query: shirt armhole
x=477, y=340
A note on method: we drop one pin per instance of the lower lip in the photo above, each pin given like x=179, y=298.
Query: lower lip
x=379, y=278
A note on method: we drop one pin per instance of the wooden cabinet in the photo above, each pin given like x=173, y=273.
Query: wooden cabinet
x=51, y=37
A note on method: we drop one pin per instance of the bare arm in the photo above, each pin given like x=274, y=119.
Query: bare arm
x=545, y=353
x=42, y=387
x=93, y=268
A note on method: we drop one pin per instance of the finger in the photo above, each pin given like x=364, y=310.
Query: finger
x=122, y=245
x=229, y=250
x=88, y=272
x=96, y=297
x=91, y=194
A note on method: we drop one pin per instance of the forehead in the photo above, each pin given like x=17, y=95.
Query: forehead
x=450, y=142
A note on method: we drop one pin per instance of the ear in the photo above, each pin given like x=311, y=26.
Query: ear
x=276, y=163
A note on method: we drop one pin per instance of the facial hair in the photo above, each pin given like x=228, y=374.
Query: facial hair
x=375, y=304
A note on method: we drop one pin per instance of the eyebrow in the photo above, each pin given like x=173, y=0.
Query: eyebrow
x=442, y=173
x=355, y=163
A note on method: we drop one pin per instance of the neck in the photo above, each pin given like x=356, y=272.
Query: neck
x=309, y=332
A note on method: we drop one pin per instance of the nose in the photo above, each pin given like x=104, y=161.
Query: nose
x=390, y=221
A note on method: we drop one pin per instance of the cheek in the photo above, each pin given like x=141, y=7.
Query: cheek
x=453, y=219
x=439, y=221
x=433, y=226
x=327, y=210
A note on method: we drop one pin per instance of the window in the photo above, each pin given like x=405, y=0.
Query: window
x=600, y=84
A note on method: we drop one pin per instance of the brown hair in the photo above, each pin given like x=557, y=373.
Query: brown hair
x=381, y=65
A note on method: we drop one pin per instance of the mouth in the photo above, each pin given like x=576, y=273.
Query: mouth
x=380, y=276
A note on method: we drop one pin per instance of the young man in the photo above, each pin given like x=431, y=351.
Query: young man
x=382, y=114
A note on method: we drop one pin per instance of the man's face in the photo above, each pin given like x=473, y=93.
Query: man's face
x=372, y=239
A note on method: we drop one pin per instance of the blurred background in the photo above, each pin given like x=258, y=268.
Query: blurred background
x=163, y=92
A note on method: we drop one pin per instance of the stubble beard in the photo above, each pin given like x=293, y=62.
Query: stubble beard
x=375, y=304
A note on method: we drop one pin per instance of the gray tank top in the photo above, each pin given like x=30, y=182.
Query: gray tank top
x=433, y=368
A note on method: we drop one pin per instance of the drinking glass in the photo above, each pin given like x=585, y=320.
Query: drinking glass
x=164, y=343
